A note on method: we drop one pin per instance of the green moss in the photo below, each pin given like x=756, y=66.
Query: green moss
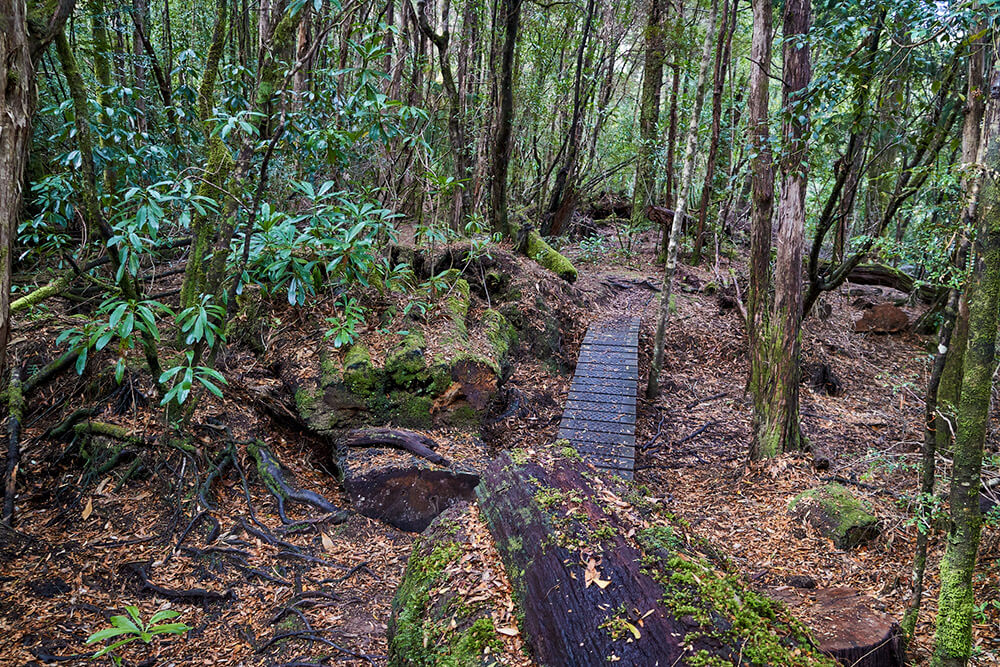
x=422, y=630
x=410, y=409
x=546, y=255
x=360, y=375
x=329, y=369
x=406, y=367
x=847, y=520
x=440, y=372
x=457, y=305
x=500, y=333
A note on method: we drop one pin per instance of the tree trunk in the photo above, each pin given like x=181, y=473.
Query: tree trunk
x=934, y=422
x=722, y=51
x=691, y=145
x=560, y=203
x=762, y=204
x=953, y=638
x=499, y=222
x=777, y=426
x=17, y=104
x=643, y=194
x=456, y=130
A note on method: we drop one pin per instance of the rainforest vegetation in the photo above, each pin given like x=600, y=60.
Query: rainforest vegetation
x=293, y=294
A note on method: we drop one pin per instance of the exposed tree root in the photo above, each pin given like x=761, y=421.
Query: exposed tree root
x=407, y=441
x=274, y=479
x=138, y=570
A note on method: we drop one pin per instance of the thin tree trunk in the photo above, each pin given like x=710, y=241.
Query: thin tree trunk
x=972, y=127
x=668, y=178
x=722, y=51
x=456, y=130
x=953, y=636
x=562, y=190
x=511, y=11
x=643, y=194
x=691, y=144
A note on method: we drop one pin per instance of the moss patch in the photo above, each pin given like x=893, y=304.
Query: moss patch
x=837, y=513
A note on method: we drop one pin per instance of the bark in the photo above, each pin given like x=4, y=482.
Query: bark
x=953, y=636
x=675, y=88
x=643, y=194
x=777, y=424
x=762, y=203
x=456, y=129
x=17, y=104
x=722, y=51
x=499, y=220
x=680, y=213
x=560, y=203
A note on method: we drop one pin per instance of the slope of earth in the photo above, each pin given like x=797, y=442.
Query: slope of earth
x=258, y=592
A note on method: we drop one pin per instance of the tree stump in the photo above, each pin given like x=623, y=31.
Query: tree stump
x=836, y=513
x=846, y=625
x=883, y=318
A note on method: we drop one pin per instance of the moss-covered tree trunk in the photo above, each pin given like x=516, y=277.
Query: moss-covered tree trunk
x=680, y=213
x=951, y=333
x=953, y=637
x=644, y=192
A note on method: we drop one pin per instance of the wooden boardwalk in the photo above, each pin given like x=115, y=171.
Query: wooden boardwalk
x=599, y=419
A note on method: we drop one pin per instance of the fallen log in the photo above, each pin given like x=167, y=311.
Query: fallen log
x=395, y=476
x=600, y=574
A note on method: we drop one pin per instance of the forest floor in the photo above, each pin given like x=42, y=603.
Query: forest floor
x=324, y=591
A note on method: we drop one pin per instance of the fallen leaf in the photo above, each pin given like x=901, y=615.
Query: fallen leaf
x=327, y=542
x=510, y=632
x=89, y=509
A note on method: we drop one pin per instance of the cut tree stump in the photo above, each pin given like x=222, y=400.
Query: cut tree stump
x=846, y=625
x=883, y=318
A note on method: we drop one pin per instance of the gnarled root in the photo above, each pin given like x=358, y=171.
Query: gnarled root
x=270, y=471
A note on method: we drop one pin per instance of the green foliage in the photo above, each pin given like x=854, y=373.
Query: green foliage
x=127, y=629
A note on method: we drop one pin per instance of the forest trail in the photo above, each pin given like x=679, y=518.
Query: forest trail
x=599, y=418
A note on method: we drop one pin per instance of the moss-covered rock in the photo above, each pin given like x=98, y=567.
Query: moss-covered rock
x=838, y=514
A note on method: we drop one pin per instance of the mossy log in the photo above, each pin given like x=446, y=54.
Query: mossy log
x=432, y=622
x=600, y=575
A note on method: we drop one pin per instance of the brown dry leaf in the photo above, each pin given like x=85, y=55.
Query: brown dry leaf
x=89, y=509
x=510, y=632
x=327, y=542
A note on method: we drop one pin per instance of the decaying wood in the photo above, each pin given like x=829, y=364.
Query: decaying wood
x=846, y=625
x=571, y=609
x=409, y=498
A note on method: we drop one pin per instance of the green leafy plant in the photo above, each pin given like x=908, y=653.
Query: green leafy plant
x=131, y=628
x=343, y=328
x=184, y=376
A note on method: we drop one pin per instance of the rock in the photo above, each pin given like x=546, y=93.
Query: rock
x=836, y=513
x=846, y=625
x=883, y=318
